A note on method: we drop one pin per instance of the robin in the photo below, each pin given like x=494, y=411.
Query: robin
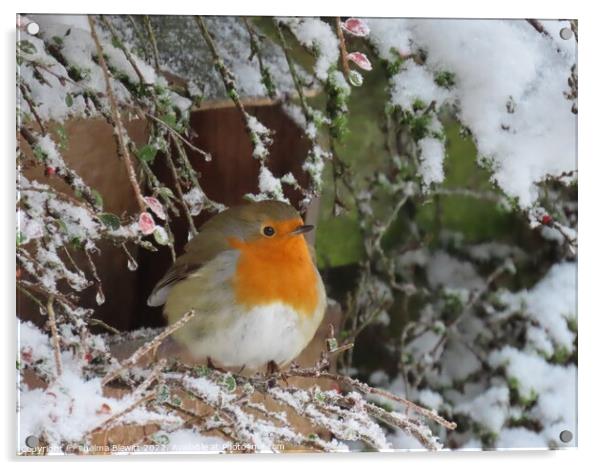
x=252, y=281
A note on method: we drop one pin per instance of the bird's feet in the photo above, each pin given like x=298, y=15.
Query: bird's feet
x=211, y=365
x=274, y=373
x=272, y=368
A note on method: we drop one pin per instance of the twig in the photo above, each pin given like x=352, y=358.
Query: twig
x=368, y=390
x=141, y=351
x=343, y=48
x=266, y=77
x=180, y=193
x=538, y=27
x=32, y=107
x=149, y=30
x=404, y=424
x=293, y=71
x=56, y=342
x=151, y=378
x=125, y=50
x=106, y=326
x=118, y=123
x=472, y=301
x=259, y=140
x=105, y=424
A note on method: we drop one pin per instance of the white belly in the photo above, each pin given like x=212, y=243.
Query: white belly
x=253, y=338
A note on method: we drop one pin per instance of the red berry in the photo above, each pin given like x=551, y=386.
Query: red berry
x=27, y=354
x=88, y=357
x=49, y=171
x=546, y=219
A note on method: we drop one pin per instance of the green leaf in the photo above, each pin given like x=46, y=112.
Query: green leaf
x=166, y=192
x=161, y=236
x=39, y=154
x=110, y=220
x=147, y=153
x=26, y=46
x=230, y=383
x=161, y=439
x=62, y=226
x=97, y=198
x=20, y=238
x=202, y=371
x=69, y=99
x=356, y=78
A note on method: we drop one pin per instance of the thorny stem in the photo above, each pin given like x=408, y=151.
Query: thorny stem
x=118, y=123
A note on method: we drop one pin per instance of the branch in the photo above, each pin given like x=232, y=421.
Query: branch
x=56, y=342
x=141, y=351
x=343, y=48
x=118, y=126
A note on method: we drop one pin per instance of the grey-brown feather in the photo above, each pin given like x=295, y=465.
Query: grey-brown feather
x=241, y=222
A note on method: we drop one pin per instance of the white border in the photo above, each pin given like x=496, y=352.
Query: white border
x=589, y=227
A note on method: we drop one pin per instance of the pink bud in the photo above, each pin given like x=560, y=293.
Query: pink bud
x=146, y=223
x=356, y=27
x=360, y=60
x=155, y=206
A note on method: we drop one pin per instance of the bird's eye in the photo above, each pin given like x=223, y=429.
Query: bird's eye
x=269, y=231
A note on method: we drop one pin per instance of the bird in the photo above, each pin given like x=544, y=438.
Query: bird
x=251, y=279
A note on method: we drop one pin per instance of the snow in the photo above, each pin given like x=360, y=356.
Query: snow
x=430, y=399
x=415, y=82
x=495, y=62
x=392, y=38
x=549, y=304
x=71, y=405
x=553, y=385
x=432, y=154
x=513, y=438
x=488, y=409
x=451, y=273
x=318, y=36
x=189, y=440
x=494, y=250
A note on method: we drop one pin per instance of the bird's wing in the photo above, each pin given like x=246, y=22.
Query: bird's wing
x=202, y=248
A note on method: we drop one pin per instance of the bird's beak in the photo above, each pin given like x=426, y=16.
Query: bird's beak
x=302, y=229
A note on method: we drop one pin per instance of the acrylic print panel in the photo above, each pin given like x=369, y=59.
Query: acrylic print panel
x=295, y=234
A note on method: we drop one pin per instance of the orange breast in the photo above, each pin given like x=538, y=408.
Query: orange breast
x=276, y=270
